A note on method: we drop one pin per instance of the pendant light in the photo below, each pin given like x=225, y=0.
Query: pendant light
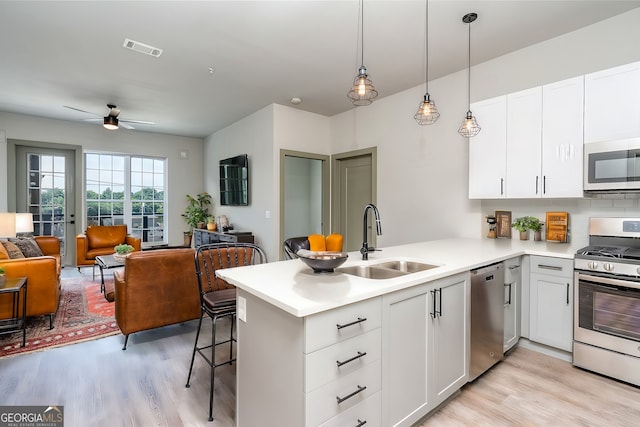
x=469, y=127
x=427, y=111
x=362, y=92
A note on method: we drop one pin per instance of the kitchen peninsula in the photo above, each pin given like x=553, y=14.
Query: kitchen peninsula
x=333, y=349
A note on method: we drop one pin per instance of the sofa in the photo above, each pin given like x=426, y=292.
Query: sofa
x=100, y=240
x=43, y=279
x=156, y=288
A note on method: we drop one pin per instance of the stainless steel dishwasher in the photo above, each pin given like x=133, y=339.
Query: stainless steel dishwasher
x=487, y=318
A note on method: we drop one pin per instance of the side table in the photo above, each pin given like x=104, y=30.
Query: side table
x=106, y=262
x=16, y=286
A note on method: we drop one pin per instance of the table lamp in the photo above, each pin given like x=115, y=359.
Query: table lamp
x=7, y=224
x=24, y=223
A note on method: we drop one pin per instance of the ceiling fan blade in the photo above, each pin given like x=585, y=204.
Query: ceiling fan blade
x=92, y=120
x=142, y=122
x=82, y=111
x=124, y=125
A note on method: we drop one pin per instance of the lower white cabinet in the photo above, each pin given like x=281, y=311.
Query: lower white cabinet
x=425, y=347
x=512, y=289
x=551, y=302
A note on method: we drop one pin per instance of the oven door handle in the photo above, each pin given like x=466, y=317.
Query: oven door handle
x=609, y=281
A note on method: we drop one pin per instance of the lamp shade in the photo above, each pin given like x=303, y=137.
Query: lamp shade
x=24, y=223
x=7, y=224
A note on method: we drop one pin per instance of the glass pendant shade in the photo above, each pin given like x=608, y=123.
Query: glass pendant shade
x=469, y=127
x=362, y=92
x=427, y=112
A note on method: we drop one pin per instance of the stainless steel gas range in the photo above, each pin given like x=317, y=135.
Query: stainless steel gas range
x=606, y=328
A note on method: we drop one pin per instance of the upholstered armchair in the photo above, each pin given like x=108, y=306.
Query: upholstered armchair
x=100, y=240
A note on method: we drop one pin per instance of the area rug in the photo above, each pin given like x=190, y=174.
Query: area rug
x=83, y=314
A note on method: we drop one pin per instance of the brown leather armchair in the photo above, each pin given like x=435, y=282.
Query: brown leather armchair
x=43, y=279
x=156, y=288
x=100, y=240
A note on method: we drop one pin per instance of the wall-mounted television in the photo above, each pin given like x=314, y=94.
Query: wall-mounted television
x=234, y=181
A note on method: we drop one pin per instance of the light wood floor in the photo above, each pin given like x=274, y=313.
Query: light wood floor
x=101, y=385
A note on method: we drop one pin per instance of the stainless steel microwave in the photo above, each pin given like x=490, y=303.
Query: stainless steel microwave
x=612, y=165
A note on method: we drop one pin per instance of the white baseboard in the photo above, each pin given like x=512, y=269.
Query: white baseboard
x=544, y=349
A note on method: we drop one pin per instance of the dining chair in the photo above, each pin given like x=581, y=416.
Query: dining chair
x=218, y=298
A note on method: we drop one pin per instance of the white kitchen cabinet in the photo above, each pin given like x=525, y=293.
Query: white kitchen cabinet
x=425, y=347
x=551, y=302
x=562, y=138
x=487, y=150
x=512, y=289
x=323, y=369
x=524, y=144
x=612, y=104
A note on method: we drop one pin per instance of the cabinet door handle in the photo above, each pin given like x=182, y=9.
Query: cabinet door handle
x=550, y=267
x=544, y=184
x=433, y=300
x=508, y=302
x=439, y=290
x=501, y=186
x=537, y=179
x=355, y=322
x=358, y=356
x=361, y=423
x=350, y=395
x=567, y=293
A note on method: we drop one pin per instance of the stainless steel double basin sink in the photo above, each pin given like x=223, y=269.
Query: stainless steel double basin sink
x=386, y=269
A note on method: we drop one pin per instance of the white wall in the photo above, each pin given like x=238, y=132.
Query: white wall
x=423, y=171
x=261, y=135
x=185, y=176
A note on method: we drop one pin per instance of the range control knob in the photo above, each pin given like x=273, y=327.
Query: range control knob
x=594, y=265
x=638, y=271
x=607, y=266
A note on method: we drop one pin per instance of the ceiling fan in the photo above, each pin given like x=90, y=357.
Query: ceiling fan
x=111, y=120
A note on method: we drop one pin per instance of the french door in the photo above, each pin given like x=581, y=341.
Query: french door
x=44, y=187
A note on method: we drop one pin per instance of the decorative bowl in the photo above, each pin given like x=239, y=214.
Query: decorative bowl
x=120, y=257
x=322, y=261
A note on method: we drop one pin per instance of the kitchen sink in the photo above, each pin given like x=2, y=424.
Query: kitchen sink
x=371, y=272
x=387, y=269
x=406, y=266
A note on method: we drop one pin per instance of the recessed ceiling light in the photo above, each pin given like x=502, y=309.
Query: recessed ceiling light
x=142, y=48
x=296, y=101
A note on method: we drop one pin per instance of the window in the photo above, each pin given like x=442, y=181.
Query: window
x=122, y=189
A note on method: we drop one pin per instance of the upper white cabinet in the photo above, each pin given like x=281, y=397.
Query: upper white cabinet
x=487, y=160
x=524, y=139
x=612, y=104
x=530, y=145
x=562, y=138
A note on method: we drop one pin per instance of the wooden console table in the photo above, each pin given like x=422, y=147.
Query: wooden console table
x=205, y=237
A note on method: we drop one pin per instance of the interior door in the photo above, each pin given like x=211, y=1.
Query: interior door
x=304, y=194
x=44, y=187
x=353, y=188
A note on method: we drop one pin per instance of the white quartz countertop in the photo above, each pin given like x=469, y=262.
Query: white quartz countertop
x=295, y=288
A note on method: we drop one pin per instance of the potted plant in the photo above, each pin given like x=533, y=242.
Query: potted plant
x=197, y=211
x=122, y=251
x=522, y=225
x=211, y=223
x=3, y=276
x=536, y=226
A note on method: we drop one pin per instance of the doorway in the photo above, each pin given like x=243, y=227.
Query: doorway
x=352, y=188
x=304, y=194
x=45, y=187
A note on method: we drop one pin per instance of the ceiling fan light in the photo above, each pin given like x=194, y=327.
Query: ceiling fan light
x=110, y=123
x=427, y=113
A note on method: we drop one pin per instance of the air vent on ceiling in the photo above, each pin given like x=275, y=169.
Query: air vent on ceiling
x=142, y=48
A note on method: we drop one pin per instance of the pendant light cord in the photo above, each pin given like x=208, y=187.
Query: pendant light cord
x=362, y=31
x=426, y=47
x=469, y=71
